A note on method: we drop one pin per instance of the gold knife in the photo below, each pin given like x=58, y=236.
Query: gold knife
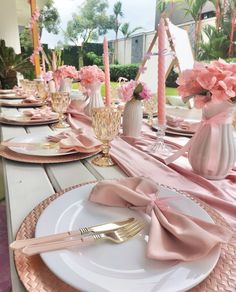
x=18, y=244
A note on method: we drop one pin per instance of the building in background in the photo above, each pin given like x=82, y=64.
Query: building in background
x=131, y=50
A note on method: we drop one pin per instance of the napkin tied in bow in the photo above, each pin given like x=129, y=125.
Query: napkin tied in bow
x=76, y=140
x=173, y=235
x=40, y=114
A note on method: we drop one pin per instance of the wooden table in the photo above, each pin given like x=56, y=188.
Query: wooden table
x=26, y=185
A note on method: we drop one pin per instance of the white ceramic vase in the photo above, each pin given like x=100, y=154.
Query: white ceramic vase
x=212, y=152
x=95, y=98
x=132, y=118
x=52, y=86
x=65, y=85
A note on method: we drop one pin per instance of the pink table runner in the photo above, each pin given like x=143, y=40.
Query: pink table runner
x=130, y=155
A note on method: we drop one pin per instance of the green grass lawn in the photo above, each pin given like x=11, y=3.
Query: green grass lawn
x=169, y=90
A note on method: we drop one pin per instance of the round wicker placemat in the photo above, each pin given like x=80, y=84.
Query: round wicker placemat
x=11, y=96
x=27, y=122
x=36, y=277
x=21, y=104
x=11, y=155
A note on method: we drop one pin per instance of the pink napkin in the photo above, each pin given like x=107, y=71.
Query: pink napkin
x=173, y=121
x=76, y=140
x=173, y=235
x=40, y=114
x=31, y=99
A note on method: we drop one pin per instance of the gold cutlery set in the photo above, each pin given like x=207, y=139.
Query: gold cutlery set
x=118, y=232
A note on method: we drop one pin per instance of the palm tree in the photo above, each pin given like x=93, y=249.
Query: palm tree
x=125, y=29
x=194, y=8
x=232, y=12
x=117, y=10
x=216, y=46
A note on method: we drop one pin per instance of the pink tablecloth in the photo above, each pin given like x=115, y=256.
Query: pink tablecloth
x=130, y=154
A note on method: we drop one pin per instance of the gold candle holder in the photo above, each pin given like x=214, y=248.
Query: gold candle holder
x=60, y=102
x=106, y=124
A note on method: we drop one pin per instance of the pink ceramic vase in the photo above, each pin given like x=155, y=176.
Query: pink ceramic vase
x=212, y=151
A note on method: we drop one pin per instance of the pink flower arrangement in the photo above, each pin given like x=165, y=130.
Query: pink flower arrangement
x=214, y=82
x=65, y=71
x=134, y=90
x=90, y=74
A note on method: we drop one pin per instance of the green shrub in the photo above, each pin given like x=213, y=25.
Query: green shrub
x=94, y=59
x=171, y=79
x=126, y=71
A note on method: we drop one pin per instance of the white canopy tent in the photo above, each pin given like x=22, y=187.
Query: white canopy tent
x=178, y=52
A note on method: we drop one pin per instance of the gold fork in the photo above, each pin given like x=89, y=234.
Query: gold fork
x=118, y=236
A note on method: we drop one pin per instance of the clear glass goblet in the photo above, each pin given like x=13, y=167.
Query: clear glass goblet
x=106, y=124
x=60, y=102
x=42, y=90
x=30, y=88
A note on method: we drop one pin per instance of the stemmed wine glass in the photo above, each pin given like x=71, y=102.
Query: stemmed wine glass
x=42, y=90
x=106, y=124
x=60, y=102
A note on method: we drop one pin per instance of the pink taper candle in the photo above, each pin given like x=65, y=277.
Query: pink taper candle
x=161, y=74
x=107, y=72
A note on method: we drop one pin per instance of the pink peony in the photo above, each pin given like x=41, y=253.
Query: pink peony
x=132, y=89
x=90, y=74
x=214, y=82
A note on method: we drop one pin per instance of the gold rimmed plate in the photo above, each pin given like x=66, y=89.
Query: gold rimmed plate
x=22, y=120
x=19, y=103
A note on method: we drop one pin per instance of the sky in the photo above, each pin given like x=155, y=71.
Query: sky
x=136, y=12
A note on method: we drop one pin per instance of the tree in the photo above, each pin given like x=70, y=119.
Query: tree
x=125, y=29
x=164, y=5
x=194, y=8
x=49, y=19
x=232, y=14
x=216, y=46
x=88, y=24
x=115, y=23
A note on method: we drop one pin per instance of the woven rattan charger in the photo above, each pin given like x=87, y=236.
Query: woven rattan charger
x=36, y=277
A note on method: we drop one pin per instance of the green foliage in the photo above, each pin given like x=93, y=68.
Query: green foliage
x=10, y=64
x=163, y=5
x=126, y=31
x=49, y=18
x=126, y=71
x=171, y=79
x=94, y=59
x=89, y=23
x=114, y=19
x=217, y=44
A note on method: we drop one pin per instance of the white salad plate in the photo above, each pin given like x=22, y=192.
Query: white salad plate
x=38, y=145
x=106, y=266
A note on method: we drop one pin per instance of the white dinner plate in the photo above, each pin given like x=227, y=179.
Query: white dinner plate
x=23, y=120
x=19, y=103
x=106, y=266
x=37, y=147
x=7, y=91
